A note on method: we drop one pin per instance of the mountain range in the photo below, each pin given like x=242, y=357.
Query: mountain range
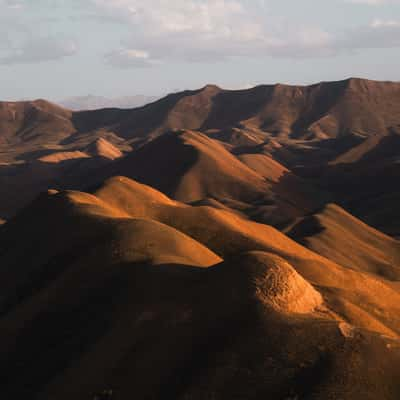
x=212, y=244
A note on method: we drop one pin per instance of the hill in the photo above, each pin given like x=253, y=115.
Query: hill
x=128, y=291
x=316, y=133
x=190, y=167
x=363, y=178
x=213, y=244
x=339, y=236
x=325, y=110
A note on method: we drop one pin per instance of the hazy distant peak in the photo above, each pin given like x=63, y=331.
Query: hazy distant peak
x=91, y=102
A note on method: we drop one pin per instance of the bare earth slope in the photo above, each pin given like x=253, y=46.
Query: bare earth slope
x=328, y=109
x=343, y=238
x=202, y=246
x=190, y=167
x=126, y=290
x=311, y=131
x=23, y=122
x=325, y=110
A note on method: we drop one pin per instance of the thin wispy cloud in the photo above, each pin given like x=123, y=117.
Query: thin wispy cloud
x=211, y=31
x=177, y=43
x=206, y=31
x=39, y=49
x=24, y=40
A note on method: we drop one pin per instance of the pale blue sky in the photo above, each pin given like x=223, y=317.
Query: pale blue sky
x=59, y=48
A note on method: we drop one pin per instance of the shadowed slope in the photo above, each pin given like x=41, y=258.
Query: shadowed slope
x=193, y=167
x=302, y=127
x=339, y=236
x=299, y=194
x=363, y=180
x=184, y=110
x=63, y=228
x=323, y=110
x=328, y=109
x=104, y=291
x=105, y=317
x=227, y=234
x=22, y=182
x=35, y=121
x=202, y=222
x=126, y=289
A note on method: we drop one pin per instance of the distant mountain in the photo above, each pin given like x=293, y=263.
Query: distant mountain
x=213, y=244
x=353, y=108
x=28, y=122
x=97, y=102
x=334, y=136
x=356, y=108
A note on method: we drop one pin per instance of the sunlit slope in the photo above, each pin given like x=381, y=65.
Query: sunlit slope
x=126, y=289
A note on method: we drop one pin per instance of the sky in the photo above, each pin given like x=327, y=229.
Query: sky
x=56, y=49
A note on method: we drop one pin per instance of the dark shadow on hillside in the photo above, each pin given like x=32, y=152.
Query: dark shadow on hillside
x=293, y=198
x=322, y=101
x=306, y=228
x=34, y=155
x=133, y=123
x=161, y=163
x=65, y=330
x=21, y=183
x=230, y=107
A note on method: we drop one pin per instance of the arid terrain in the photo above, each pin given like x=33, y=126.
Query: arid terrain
x=211, y=245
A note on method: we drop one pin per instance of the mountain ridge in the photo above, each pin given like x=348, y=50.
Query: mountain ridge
x=89, y=280
x=309, y=130
x=211, y=245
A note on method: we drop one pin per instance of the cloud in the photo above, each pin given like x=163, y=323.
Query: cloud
x=378, y=34
x=24, y=37
x=216, y=30
x=204, y=31
x=11, y=4
x=128, y=58
x=164, y=31
x=36, y=50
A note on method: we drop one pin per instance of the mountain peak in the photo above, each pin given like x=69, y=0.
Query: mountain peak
x=211, y=88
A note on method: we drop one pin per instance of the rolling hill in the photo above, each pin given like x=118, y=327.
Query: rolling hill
x=130, y=291
x=331, y=136
x=343, y=238
x=213, y=244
